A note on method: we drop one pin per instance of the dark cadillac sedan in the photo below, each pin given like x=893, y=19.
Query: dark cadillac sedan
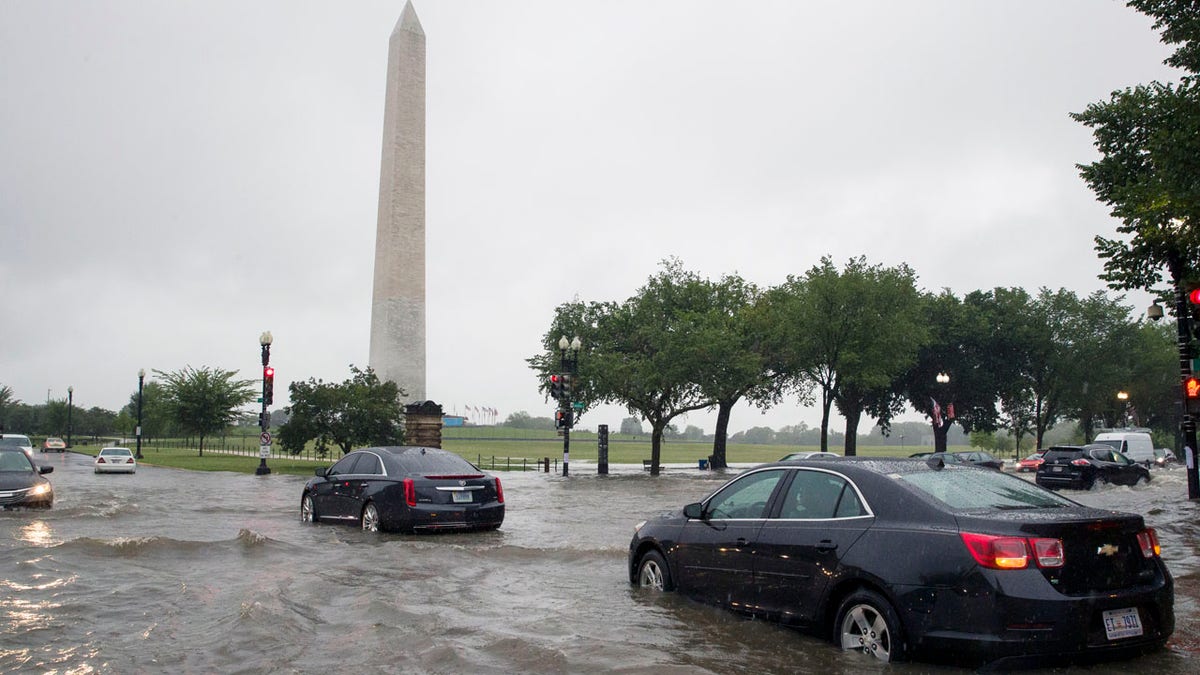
x=403, y=488
x=21, y=481
x=902, y=558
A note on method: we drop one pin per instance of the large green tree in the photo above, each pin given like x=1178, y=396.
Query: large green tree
x=205, y=401
x=359, y=411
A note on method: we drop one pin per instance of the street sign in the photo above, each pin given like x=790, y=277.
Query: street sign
x=578, y=405
x=264, y=451
x=265, y=437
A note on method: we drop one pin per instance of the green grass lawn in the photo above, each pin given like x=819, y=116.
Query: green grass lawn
x=497, y=448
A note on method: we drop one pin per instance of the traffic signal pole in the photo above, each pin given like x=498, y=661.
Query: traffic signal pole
x=264, y=418
x=1183, y=320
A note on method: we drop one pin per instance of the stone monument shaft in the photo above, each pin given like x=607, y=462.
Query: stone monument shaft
x=398, y=300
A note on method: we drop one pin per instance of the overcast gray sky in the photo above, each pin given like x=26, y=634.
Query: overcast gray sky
x=177, y=177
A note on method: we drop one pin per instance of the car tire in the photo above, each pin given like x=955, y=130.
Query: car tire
x=308, y=509
x=1142, y=480
x=867, y=623
x=370, y=518
x=653, y=573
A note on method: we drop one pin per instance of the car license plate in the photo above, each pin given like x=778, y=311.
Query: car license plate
x=461, y=497
x=1057, y=469
x=1122, y=623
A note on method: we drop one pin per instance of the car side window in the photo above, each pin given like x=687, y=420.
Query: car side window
x=746, y=497
x=820, y=495
x=368, y=464
x=343, y=466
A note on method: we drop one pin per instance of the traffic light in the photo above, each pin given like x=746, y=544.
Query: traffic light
x=566, y=386
x=563, y=419
x=1191, y=388
x=268, y=385
x=558, y=419
x=556, y=387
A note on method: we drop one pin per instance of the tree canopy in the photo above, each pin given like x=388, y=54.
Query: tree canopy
x=204, y=401
x=359, y=411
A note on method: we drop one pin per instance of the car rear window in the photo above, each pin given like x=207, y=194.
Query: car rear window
x=435, y=463
x=1052, y=455
x=973, y=489
x=109, y=451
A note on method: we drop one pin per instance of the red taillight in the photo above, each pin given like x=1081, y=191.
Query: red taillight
x=1148, y=541
x=99, y=460
x=499, y=491
x=1079, y=462
x=410, y=492
x=129, y=461
x=1012, y=553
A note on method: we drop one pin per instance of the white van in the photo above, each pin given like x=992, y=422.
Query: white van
x=1136, y=445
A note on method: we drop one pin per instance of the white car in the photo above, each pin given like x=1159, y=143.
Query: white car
x=17, y=441
x=810, y=455
x=115, y=460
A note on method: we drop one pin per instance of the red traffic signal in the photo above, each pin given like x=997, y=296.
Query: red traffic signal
x=556, y=387
x=1194, y=296
x=268, y=385
x=1191, y=388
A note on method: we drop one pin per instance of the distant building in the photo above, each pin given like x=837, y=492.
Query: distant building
x=453, y=421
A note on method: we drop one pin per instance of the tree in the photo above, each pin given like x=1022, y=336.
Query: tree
x=204, y=401
x=7, y=403
x=631, y=426
x=359, y=411
x=852, y=334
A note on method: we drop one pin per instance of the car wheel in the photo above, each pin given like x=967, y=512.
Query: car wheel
x=867, y=623
x=308, y=510
x=370, y=518
x=654, y=573
x=1143, y=480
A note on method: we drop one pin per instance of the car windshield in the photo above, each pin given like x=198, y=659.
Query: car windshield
x=974, y=489
x=14, y=460
x=1114, y=444
x=14, y=442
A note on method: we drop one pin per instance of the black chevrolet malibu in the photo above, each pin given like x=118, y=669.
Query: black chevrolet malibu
x=900, y=558
x=404, y=488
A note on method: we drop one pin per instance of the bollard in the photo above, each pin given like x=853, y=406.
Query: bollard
x=546, y=464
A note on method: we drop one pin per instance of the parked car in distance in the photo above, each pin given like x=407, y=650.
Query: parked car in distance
x=55, y=444
x=1164, y=458
x=21, y=481
x=1135, y=445
x=1081, y=467
x=1031, y=463
x=810, y=455
x=115, y=460
x=888, y=557
x=17, y=441
x=404, y=488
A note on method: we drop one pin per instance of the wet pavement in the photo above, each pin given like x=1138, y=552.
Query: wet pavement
x=169, y=570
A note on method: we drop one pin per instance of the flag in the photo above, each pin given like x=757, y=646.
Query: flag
x=950, y=411
x=937, y=414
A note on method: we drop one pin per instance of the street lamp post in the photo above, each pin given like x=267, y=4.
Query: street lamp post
x=141, y=379
x=568, y=353
x=941, y=418
x=1123, y=397
x=70, y=404
x=264, y=419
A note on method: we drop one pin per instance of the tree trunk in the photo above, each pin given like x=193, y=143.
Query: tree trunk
x=656, y=435
x=939, y=436
x=826, y=402
x=852, y=432
x=724, y=410
x=201, y=445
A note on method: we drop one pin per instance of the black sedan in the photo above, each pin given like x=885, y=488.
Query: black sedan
x=902, y=558
x=1081, y=467
x=966, y=457
x=21, y=481
x=403, y=488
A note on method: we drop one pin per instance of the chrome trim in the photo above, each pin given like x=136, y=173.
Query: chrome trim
x=462, y=489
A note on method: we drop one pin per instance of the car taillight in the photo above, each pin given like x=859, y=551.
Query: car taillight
x=410, y=492
x=99, y=460
x=499, y=491
x=1079, y=462
x=1012, y=553
x=129, y=461
x=1148, y=540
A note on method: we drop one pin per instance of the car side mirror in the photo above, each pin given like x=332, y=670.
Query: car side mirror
x=694, y=511
x=45, y=469
x=322, y=471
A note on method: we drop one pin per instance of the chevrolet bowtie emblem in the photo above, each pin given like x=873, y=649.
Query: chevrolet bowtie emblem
x=1107, y=549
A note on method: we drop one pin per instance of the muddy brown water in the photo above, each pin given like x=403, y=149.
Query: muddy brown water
x=176, y=571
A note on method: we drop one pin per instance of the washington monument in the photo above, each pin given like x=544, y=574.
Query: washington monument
x=398, y=301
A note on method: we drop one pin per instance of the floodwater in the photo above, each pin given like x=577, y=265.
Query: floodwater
x=168, y=570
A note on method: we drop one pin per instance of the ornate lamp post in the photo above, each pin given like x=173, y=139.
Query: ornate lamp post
x=1123, y=397
x=70, y=404
x=141, y=379
x=265, y=341
x=941, y=418
x=568, y=353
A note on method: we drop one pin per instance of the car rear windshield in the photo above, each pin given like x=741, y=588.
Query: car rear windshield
x=973, y=489
x=435, y=463
x=117, y=451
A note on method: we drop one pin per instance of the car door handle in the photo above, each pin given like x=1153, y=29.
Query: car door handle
x=826, y=546
x=741, y=542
